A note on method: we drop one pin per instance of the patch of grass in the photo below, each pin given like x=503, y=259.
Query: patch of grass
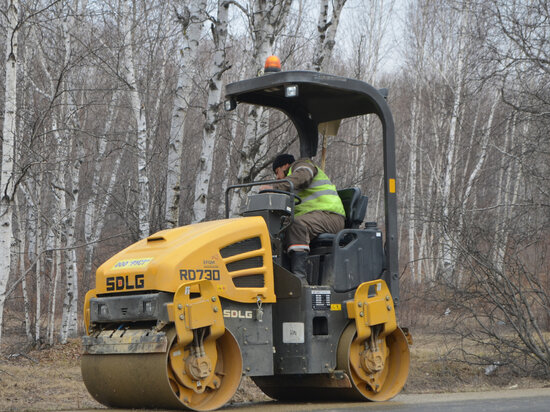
x=47, y=379
x=437, y=366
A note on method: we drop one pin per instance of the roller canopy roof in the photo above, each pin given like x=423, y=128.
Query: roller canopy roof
x=321, y=98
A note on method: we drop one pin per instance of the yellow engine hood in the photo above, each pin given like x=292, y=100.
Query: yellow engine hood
x=235, y=254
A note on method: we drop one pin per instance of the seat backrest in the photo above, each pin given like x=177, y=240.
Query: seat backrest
x=355, y=206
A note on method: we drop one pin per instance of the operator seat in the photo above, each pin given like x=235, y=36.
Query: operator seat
x=355, y=206
x=345, y=259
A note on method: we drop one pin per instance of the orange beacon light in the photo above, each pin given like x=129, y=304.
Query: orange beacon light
x=272, y=64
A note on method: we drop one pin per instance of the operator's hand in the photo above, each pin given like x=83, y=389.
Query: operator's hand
x=265, y=187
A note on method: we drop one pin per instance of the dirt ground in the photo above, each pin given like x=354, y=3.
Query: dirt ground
x=49, y=378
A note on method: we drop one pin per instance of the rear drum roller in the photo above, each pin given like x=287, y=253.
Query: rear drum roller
x=376, y=375
x=176, y=379
x=371, y=375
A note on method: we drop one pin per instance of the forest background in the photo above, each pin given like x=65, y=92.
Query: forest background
x=113, y=128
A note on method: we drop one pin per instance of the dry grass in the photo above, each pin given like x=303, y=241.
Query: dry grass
x=49, y=379
x=437, y=366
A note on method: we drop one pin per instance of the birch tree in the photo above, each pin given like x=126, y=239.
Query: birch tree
x=413, y=144
x=447, y=259
x=192, y=20
x=138, y=111
x=9, y=133
x=266, y=19
x=366, y=32
x=69, y=327
x=22, y=269
x=97, y=205
x=218, y=66
x=484, y=191
x=326, y=33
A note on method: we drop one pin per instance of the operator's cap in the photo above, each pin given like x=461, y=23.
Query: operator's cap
x=282, y=159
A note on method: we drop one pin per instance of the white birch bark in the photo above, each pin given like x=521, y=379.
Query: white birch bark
x=192, y=22
x=371, y=21
x=100, y=210
x=59, y=186
x=326, y=36
x=70, y=323
x=8, y=151
x=33, y=201
x=138, y=110
x=56, y=267
x=58, y=179
x=225, y=182
x=91, y=216
x=427, y=254
x=60, y=202
x=447, y=258
x=217, y=68
x=38, y=306
x=470, y=144
x=70, y=303
x=507, y=196
x=418, y=37
x=376, y=217
x=71, y=294
x=502, y=191
x=21, y=241
x=475, y=172
x=480, y=161
x=412, y=183
x=98, y=228
x=267, y=18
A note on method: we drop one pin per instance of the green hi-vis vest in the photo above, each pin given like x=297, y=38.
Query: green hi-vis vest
x=321, y=194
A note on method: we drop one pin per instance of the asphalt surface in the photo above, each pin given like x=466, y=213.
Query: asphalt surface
x=532, y=400
x=523, y=400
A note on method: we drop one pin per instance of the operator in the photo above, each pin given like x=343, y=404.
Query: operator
x=321, y=210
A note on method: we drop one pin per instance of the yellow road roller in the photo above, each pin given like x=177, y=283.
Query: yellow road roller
x=176, y=319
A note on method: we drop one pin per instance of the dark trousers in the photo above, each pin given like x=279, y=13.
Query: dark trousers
x=309, y=225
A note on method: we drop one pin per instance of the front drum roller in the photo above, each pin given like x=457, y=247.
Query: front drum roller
x=376, y=375
x=166, y=380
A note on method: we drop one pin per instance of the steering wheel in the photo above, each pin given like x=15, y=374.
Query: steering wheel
x=297, y=199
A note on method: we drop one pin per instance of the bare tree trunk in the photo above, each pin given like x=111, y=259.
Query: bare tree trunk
x=138, y=110
x=98, y=228
x=218, y=67
x=412, y=184
x=60, y=219
x=56, y=267
x=21, y=241
x=7, y=178
x=447, y=255
x=326, y=33
x=267, y=18
x=192, y=21
x=370, y=28
x=513, y=176
x=39, y=259
x=480, y=161
x=378, y=200
x=91, y=217
x=230, y=150
x=426, y=252
x=71, y=295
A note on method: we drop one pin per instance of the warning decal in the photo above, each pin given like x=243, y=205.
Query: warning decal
x=320, y=299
